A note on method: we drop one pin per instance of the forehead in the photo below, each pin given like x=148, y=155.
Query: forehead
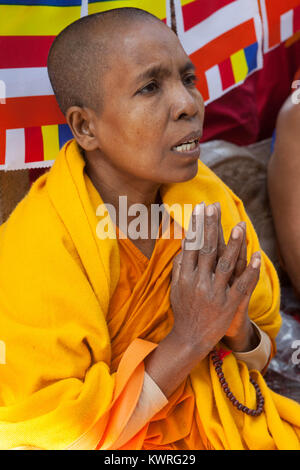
x=146, y=44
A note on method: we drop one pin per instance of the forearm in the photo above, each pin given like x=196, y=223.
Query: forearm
x=171, y=362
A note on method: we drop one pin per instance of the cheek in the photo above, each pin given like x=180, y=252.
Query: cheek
x=140, y=127
x=144, y=129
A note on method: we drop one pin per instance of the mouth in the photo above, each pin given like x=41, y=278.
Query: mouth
x=189, y=145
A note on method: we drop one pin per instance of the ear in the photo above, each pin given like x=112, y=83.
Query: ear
x=81, y=122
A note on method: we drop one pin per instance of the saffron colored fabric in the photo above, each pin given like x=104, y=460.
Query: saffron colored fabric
x=76, y=336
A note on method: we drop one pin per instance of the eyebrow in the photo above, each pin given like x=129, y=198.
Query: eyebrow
x=160, y=71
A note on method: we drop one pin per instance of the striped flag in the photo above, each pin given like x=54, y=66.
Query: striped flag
x=32, y=127
x=223, y=39
x=281, y=19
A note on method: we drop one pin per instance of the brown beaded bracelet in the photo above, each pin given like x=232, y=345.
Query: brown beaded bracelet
x=217, y=362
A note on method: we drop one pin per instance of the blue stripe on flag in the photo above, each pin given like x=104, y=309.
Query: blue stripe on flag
x=251, y=56
x=64, y=134
x=50, y=3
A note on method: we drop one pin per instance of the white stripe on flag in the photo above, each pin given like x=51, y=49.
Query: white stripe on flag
x=287, y=25
x=32, y=81
x=84, y=8
x=15, y=149
x=168, y=13
x=2, y=92
x=218, y=23
x=214, y=82
x=179, y=17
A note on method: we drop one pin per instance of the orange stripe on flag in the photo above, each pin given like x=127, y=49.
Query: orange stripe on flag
x=224, y=46
x=2, y=146
x=202, y=86
x=30, y=111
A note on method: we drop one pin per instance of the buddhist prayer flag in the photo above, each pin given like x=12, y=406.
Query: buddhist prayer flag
x=281, y=19
x=224, y=38
x=28, y=28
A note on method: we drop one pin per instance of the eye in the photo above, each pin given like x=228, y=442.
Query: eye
x=150, y=88
x=190, y=79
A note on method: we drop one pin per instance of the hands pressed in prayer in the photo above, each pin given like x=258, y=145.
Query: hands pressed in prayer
x=211, y=288
x=240, y=336
x=210, y=292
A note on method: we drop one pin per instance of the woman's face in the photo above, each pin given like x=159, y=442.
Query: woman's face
x=152, y=114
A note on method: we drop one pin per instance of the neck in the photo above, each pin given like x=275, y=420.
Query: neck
x=111, y=184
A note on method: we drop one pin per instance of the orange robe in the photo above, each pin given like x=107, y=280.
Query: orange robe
x=140, y=308
x=79, y=314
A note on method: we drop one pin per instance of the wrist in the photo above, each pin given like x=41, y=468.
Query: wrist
x=187, y=347
x=246, y=339
x=171, y=362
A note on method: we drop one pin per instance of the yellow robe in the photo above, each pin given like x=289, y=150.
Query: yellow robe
x=74, y=355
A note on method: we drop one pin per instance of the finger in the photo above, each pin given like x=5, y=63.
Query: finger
x=207, y=254
x=221, y=241
x=243, y=287
x=226, y=264
x=176, y=267
x=191, y=242
x=241, y=263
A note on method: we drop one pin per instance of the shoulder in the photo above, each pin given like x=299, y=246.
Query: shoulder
x=289, y=115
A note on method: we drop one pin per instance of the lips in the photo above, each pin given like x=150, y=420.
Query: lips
x=192, y=137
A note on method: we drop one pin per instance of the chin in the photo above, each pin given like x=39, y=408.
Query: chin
x=185, y=174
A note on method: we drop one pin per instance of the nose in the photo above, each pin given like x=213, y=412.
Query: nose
x=186, y=103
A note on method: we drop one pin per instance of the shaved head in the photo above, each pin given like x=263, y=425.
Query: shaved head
x=79, y=55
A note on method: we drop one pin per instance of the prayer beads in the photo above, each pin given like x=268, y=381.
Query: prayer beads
x=217, y=362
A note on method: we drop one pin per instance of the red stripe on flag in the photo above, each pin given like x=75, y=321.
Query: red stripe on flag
x=2, y=146
x=226, y=73
x=197, y=11
x=34, y=151
x=30, y=111
x=297, y=19
x=224, y=46
x=24, y=51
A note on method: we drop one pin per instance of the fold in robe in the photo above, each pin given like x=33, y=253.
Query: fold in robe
x=74, y=353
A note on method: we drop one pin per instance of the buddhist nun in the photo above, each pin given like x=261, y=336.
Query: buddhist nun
x=148, y=325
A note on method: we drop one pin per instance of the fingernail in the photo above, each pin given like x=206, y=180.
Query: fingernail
x=242, y=225
x=256, y=262
x=198, y=208
x=236, y=233
x=210, y=210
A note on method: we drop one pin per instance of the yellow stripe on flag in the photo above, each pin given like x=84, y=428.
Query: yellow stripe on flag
x=186, y=2
x=156, y=7
x=20, y=20
x=51, y=142
x=239, y=66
